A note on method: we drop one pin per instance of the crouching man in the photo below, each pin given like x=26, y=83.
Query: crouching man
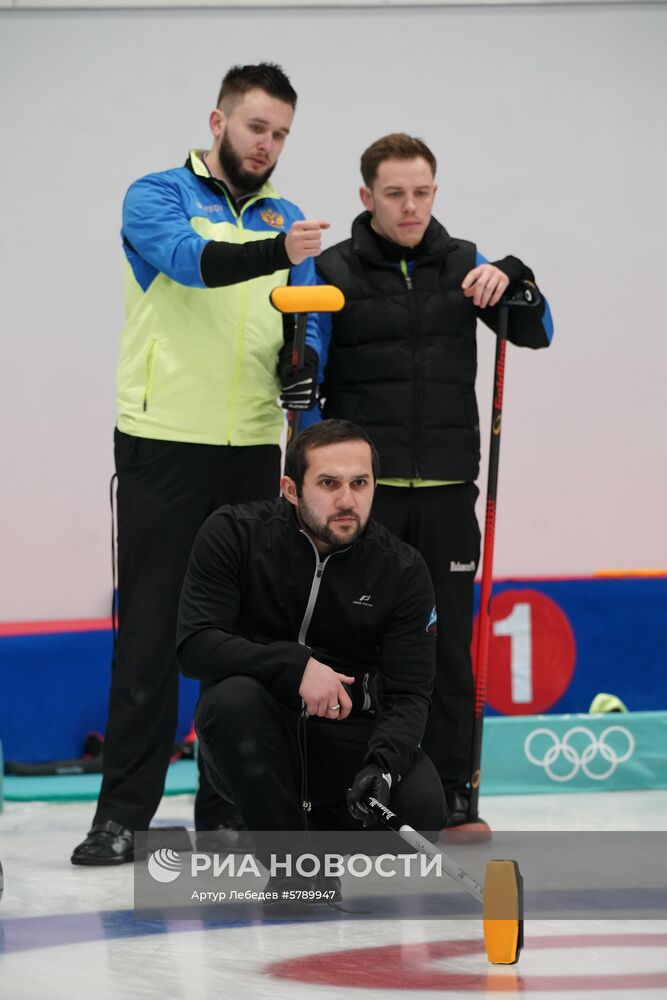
x=311, y=628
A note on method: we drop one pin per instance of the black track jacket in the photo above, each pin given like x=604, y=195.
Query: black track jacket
x=258, y=601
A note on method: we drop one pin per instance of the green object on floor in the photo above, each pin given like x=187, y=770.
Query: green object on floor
x=181, y=780
x=606, y=703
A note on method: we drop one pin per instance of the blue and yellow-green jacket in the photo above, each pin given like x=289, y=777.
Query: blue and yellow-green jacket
x=199, y=349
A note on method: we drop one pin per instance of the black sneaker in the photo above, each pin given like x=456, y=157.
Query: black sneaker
x=458, y=802
x=461, y=828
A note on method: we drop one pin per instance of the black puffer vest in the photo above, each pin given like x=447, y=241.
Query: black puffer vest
x=403, y=355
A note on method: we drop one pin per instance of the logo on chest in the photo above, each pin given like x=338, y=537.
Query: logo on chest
x=272, y=218
x=211, y=209
x=364, y=601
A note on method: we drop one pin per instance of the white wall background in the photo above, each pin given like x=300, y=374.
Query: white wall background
x=549, y=126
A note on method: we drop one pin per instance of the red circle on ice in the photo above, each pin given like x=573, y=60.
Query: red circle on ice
x=532, y=652
x=410, y=967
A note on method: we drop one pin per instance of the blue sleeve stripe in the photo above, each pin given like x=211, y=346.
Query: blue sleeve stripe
x=547, y=321
x=310, y=417
x=325, y=326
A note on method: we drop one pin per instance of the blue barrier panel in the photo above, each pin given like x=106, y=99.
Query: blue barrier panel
x=554, y=645
x=530, y=755
x=54, y=689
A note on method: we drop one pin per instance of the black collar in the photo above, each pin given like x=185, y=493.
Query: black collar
x=367, y=243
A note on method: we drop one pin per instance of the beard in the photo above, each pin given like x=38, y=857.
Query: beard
x=232, y=168
x=323, y=531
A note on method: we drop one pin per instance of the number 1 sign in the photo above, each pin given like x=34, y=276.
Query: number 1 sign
x=532, y=653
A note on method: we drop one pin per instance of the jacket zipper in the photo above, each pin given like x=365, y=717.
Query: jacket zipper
x=406, y=273
x=314, y=589
x=240, y=328
x=367, y=703
x=150, y=361
x=310, y=607
x=414, y=341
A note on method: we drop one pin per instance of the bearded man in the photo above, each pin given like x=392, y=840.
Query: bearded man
x=311, y=628
x=199, y=424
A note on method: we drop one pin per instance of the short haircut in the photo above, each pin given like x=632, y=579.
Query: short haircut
x=269, y=77
x=319, y=436
x=397, y=146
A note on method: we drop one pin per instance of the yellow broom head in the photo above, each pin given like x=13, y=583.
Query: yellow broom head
x=503, y=912
x=307, y=298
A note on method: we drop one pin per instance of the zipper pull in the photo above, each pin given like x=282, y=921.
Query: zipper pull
x=404, y=269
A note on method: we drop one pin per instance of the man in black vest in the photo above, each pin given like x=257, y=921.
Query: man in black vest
x=402, y=361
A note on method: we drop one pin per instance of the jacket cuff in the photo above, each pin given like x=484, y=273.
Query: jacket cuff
x=388, y=764
x=515, y=269
x=286, y=686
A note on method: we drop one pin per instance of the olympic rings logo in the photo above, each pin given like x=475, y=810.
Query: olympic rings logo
x=595, y=746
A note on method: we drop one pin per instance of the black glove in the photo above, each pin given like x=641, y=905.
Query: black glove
x=299, y=388
x=370, y=781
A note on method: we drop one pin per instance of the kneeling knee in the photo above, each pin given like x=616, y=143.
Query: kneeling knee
x=233, y=701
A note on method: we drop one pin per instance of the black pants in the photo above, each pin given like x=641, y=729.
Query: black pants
x=165, y=491
x=440, y=522
x=250, y=744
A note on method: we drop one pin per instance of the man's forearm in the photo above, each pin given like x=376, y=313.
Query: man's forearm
x=397, y=734
x=212, y=654
x=528, y=327
x=228, y=263
x=407, y=656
